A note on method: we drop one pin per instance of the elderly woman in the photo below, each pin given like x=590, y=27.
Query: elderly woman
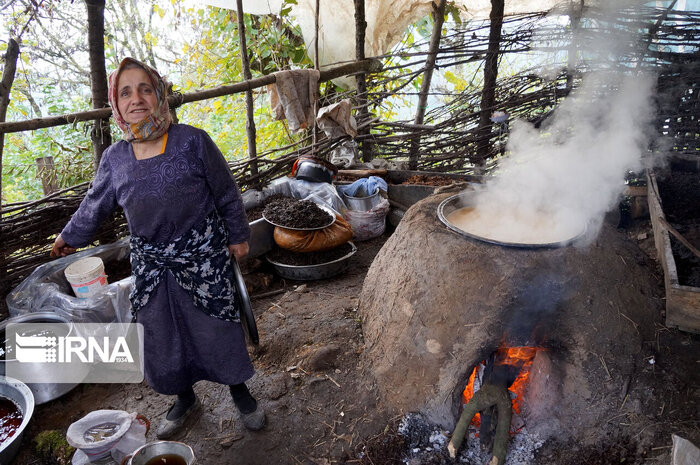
x=186, y=219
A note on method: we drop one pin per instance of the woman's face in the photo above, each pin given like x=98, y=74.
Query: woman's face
x=136, y=97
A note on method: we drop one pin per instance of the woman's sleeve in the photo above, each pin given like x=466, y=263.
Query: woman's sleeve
x=97, y=205
x=227, y=195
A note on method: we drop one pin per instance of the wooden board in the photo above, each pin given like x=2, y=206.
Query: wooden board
x=682, y=302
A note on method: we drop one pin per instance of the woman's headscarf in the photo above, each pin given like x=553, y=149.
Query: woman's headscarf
x=152, y=126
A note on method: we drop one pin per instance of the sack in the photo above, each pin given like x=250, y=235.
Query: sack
x=314, y=241
x=369, y=224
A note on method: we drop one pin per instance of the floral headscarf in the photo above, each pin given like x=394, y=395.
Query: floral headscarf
x=152, y=126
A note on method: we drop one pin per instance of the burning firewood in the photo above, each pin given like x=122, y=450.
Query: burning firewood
x=487, y=396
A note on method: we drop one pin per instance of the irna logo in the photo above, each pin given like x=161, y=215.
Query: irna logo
x=48, y=349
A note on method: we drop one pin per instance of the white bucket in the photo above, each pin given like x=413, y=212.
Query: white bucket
x=86, y=276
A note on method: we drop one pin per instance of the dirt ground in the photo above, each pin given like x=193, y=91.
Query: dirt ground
x=320, y=406
x=323, y=407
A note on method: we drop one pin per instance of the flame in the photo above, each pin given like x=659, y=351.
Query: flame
x=521, y=357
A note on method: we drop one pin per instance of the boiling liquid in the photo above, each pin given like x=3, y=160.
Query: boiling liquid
x=101, y=432
x=510, y=225
x=10, y=418
x=167, y=459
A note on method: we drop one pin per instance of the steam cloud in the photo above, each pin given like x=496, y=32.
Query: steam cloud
x=574, y=168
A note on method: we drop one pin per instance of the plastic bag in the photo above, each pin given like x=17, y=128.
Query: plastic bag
x=314, y=241
x=47, y=290
x=319, y=192
x=98, y=432
x=369, y=224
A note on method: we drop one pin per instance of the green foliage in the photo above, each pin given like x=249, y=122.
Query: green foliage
x=51, y=446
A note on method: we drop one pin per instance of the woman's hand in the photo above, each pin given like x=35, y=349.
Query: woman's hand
x=60, y=248
x=238, y=250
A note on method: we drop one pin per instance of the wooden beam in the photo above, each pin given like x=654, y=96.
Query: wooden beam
x=368, y=65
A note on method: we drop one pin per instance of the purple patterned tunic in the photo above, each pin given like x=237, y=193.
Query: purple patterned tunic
x=163, y=197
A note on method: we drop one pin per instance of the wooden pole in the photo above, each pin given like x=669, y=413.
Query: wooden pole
x=360, y=79
x=488, y=95
x=8, y=77
x=100, y=134
x=250, y=110
x=367, y=65
x=314, y=130
x=438, y=19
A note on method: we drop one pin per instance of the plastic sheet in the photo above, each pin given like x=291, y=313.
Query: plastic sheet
x=47, y=290
x=369, y=224
x=319, y=192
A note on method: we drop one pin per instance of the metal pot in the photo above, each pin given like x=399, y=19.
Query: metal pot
x=19, y=393
x=42, y=392
x=314, y=169
x=363, y=204
x=160, y=448
x=468, y=199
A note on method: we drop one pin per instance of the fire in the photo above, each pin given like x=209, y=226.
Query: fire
x=519, y=357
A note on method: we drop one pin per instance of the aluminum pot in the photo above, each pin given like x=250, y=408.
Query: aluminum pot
x=43, y=392
x=158, y=449
x=363, y=204
x=313, y=272
x=19, y=393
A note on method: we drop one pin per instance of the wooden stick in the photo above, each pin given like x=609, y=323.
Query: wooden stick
x=679, y=236
x=485, y=397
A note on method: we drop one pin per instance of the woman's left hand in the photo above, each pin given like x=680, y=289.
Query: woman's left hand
x=238, y=250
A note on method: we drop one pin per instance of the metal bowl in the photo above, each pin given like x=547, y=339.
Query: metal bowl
x=312, y=272
x=467, y=199
x=42, y=392
x=20, y=394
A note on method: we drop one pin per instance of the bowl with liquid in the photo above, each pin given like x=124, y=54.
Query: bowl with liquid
x=16, y=409
x=508, y=225
x=161, y=453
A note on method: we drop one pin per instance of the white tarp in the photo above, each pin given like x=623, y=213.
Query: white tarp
x=387, y=21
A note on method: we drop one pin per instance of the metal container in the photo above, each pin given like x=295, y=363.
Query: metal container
x=156, y=449
x=314, y=169
x=20, y=394
x=42, y=392
x=312, y=272
x=363, y=204
x=468, y=199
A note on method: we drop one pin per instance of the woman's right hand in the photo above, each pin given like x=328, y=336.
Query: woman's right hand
x=60, y=248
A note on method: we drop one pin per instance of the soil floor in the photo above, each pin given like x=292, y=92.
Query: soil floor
x=322, y=406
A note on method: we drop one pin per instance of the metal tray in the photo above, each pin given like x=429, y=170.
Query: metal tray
x=322, y=207
x=247, y=316
x=312, y=272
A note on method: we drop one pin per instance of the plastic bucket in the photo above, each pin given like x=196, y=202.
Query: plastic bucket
x=86, y=276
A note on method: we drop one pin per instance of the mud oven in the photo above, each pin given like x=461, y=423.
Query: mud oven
x=442, y=313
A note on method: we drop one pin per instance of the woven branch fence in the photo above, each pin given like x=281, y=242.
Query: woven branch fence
x=450, y=133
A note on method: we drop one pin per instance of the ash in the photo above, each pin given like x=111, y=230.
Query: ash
x=427, y=445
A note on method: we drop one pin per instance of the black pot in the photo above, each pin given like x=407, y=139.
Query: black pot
x=314, y=169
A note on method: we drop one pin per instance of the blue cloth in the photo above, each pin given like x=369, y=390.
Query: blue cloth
x=363, y=187
x=163, y=198
x=200, y=263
